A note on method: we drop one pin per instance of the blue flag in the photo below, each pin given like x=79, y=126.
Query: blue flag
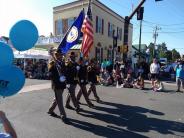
x=72, y=36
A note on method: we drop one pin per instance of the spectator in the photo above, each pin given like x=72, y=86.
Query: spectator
x=154, y=70
x=9, y=130
x=139, y=83
x=128, y=83
x=158, y=86
x=179, y=75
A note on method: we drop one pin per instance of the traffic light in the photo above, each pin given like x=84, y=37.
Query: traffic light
x=140, y=13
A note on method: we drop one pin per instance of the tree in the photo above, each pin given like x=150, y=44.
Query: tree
x=151, y=47
x=168, y=55
x=175, y=55
x=162, y=49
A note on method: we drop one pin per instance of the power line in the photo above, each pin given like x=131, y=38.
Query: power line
x=167, y=32
x=182, y=23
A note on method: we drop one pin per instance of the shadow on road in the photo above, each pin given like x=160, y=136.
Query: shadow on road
x=108, y=131
x=131, y=117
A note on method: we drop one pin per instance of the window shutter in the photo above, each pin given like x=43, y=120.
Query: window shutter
x=96, y=24
x=108, y=29
x=102, y=26
x=101, y=54
x=56, y=28
x=96, y=50
x=117, y=33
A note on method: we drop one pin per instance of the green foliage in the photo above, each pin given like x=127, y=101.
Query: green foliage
x=163, y=52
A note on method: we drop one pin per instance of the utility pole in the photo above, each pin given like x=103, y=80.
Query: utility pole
x=126, y=25
x=155, y=35
x=140, y=40
x=140, y=17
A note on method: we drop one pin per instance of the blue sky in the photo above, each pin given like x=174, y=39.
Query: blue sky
x=167, y=14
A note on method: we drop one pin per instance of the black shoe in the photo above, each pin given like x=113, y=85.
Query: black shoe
x=177, y=90
x=69, y=107
x=91, y=105
x=51, y=113
x=64, y=119
x=98, y=100
x=78, y=109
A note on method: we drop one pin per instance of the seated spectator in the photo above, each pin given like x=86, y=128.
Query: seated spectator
x=9, y=130
x=139, y=83
x=140, y=71
x=117, y=76
x=106, y=78
x=158, y=86
x=128, y=82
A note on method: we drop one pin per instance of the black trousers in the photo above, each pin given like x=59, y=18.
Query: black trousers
x=83, y=91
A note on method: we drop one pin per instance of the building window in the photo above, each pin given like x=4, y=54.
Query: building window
x=109, y=54
x=119, y=33
x=70, y=22
x=65, y=25
x=58, y=27
x=110, y=29
x=99, y=25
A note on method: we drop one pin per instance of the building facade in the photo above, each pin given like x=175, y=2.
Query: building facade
x=105, y=22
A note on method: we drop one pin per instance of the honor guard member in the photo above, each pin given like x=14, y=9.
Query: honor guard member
x=82, y=75
x=71, y=80
x=57, y=71
x=92, y=79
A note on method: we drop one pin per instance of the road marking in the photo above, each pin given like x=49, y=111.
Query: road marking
x=35, y=87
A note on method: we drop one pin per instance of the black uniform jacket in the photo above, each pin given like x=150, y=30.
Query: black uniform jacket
x=82, y=74
x=92, y=72
x=71, y=73
x=56, y=84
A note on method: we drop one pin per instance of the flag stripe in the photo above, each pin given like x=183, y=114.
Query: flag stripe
x=87, y=29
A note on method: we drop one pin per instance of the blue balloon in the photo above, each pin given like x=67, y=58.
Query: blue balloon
x=23, y=35
x=12, y=80
x=6, y=55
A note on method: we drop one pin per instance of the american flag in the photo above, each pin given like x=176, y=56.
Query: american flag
x=87, y=29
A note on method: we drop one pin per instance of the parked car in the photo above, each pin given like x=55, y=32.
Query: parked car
x=168, y=69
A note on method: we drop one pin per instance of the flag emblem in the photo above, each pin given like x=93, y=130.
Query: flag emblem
x=72, y=35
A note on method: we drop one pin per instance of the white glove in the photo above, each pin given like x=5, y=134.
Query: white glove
x=87, y=63
x=62, y=78
x=78, y=68
x=82, y=81
x=68, y=86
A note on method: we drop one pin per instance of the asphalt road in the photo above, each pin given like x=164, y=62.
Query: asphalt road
x=124, y=113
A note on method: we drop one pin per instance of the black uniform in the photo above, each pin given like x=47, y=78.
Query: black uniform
x=92, y=78
x=71, y=80
x=57, y=86
x=82, y=75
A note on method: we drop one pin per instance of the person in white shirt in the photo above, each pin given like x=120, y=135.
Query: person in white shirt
x=154, y=70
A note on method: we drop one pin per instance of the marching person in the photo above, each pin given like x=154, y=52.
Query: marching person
x=57, y=71
x=71, y=80
x=92, y=79
x=82, y=74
